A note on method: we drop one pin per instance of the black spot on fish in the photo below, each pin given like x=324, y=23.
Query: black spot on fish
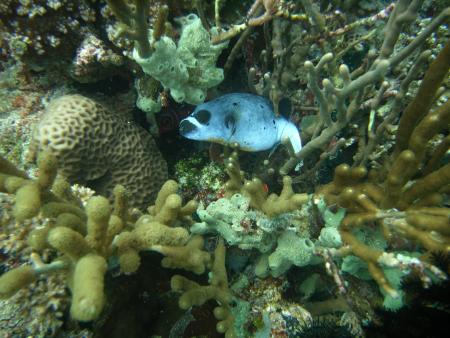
x=203, y=116
x=261, y=106
x=273, y=121
x=235, y=104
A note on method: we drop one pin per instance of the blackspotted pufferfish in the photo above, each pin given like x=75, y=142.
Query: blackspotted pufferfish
x=244, y=119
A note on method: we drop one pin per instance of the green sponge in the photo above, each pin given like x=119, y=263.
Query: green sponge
x=291, y=250
x=187, y=69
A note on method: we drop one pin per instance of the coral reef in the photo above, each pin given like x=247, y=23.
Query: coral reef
x=37, y=27
x=83, y=236
x=100, y=149
x=404, y=196
x=329, y=240
x=195, y=294
x=94, y=61
x=188, y=68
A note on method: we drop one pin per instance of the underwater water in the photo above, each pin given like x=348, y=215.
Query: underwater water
x=264, y=168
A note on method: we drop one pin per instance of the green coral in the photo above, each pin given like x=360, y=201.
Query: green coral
x=244, y=227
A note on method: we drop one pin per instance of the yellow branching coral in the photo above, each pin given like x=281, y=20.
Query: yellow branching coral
x=196, y=294
x=83, y=255
x=405, y=196
x=271, y=205
x=190, y=257
x=274, y=204
x=85, y=237
x=157, y=229
x=168, y=207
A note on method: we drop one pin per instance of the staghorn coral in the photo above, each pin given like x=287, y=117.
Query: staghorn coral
x=37, y=309
x=349, y=91
x=133, y=18
x=404, y=197
x=100, y=149
x=82, y=256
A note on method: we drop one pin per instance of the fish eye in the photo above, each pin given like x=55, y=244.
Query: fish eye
x=203, y=116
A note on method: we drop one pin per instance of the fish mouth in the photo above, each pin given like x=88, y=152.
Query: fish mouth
x=187, y=127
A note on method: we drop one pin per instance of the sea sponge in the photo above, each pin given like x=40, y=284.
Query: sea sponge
x=101, y=149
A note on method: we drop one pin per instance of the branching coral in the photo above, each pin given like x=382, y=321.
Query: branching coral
x=134, y=20
x=157, y=231
x=404, y=197
x=85, y=237
x=250, y=218
x=83, y=252
x=348, y=100
x=254, y=17
x=196, y=294
x=272, y=204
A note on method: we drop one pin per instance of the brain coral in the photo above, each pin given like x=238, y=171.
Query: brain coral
x=100, y=149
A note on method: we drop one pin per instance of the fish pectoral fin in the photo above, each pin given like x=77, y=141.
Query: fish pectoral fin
x=230, y=123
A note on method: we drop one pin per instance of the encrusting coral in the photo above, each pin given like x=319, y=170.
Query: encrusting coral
x=405, y=196
x=249, y=218
x=86, y=237
x=100, y=148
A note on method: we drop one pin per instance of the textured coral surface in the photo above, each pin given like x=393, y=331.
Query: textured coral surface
x=100, y=148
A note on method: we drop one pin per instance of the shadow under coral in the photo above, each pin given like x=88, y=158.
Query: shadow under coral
x=427, y=313
x=143, y=305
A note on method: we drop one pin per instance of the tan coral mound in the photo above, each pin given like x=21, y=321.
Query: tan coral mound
x=101, y=149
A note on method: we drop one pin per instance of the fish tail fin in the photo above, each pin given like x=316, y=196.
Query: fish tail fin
x=291, y=134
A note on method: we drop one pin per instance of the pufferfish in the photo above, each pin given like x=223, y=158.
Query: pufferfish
x=239, y=118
